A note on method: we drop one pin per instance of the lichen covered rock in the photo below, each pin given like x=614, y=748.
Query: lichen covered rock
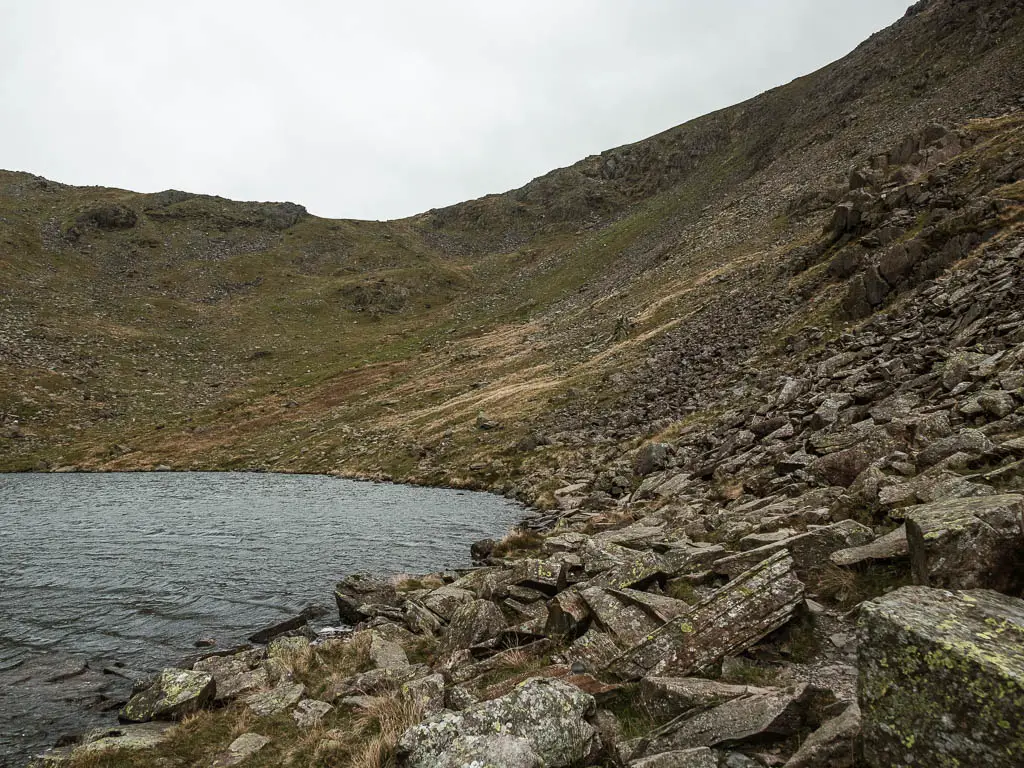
x=539, y=724
x=968, y=543
x=942, y=679
x=176, y=693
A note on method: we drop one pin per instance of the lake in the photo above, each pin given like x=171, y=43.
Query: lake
x=127, y=570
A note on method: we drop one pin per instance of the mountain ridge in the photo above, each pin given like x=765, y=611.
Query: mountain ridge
x=402, y=332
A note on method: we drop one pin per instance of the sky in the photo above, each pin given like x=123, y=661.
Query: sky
x=380, y=110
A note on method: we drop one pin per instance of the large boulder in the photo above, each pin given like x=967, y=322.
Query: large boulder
x=968, y=543
x=174, y=694
x=726, y=623
x=540, y=724
x=471, y=623
x=355, y=591
x=942, y=679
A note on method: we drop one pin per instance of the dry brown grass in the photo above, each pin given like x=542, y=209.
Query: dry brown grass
x=518, y=542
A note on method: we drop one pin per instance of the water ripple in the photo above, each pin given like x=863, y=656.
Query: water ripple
x=135, y=567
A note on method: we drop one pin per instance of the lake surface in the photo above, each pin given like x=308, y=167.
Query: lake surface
x=132, y=569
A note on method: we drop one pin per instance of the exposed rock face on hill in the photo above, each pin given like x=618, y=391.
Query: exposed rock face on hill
x=757, y=371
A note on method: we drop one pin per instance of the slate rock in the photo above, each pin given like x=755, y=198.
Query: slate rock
x=176, y=693
x=968, y=543
x=472, y=623
x=832, y=745
x=725, y=623
x=942, y=679
x=809, y=550
x=540, y=724
x=241, y=749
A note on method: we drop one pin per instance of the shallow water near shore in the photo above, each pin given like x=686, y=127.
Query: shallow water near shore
x=98, y=570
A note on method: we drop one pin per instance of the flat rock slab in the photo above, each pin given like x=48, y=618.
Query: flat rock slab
x=726, y=623
x=809, y=550
x=942, y=679
x=541, y=724
x=832, y=745
x=309, y=712
x=702, y=757
x=625, y=622
x=773, y=714
x=386, y=654
x=276, y=700
x=240, y=749
x=968, y=543
x=176, y=693
x=141, y=736
x=672, y=696
x=891, y=546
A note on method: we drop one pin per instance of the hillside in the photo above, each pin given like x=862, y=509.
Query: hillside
x=591, y=309
x=762, y=374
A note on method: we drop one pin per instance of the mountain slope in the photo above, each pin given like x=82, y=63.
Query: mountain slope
x=597, y=306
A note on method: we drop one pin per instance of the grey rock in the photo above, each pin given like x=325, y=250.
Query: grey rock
x=968, y=543
x=540, y=724
x=176, y=693
x=726, y=623
x=942, y=679
x=240, y=749
x=809, y=550
x=652, y=457
x=832, y=745
x=276, y=700
x=472, y=623
x=701, y=757
x=309, y=712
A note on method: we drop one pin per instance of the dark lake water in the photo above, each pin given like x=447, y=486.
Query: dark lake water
x=132, y=569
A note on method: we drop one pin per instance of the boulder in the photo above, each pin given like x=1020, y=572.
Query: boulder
x=567, y=615
x=891, y=546
x=809, y=550
x=968, y=543
x=472, y=623
x=773, y=714
x=276, y=700
x=139, y=736
x=386, y=654
x=725, y=623
x=357, y=590
x=652, y=457
x=540, y=724
x=427, y=693
x=309, y=712
x=832, y=745
x=174, y=694
x=234, y=675
x=240, y=749
x=942, y=679
x=842, y=467
x=444, y=601
x=626, y=623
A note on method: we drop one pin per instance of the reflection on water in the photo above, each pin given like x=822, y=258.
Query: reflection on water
x=133, y=568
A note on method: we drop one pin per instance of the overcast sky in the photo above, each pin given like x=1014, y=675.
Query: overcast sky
x=382, y=109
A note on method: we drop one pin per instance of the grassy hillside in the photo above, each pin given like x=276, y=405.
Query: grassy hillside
x=598, y=305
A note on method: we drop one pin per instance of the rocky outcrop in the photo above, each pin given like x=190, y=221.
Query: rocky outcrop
x=942, y=679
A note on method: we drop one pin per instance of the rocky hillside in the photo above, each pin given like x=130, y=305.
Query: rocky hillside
x=762, y=374
x=525, y=340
